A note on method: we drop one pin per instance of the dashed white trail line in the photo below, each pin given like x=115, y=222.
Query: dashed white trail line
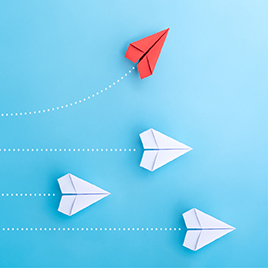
x=65, y=150
x=68, y=104
x=91, y=229
x=26, y=194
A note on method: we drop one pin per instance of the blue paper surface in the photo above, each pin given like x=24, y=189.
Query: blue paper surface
x=208, y=90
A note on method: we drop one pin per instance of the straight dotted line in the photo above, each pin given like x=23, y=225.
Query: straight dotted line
x=68, y=150
x=27, y=194
x=66, y=105
x=91, y=229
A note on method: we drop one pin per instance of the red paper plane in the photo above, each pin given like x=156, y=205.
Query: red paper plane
x=147, y=50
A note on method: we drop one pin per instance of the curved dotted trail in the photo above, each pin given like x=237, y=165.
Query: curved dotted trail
x=68, y=104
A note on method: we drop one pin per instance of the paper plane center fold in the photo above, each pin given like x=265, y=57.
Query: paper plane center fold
x=146, y=51
x=78, y=194
x=205, y=229
x=160, y=149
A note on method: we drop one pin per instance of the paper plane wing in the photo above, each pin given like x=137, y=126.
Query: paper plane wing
x=148, y=159
x=155, y=159
x=70, y=184
x=196, y=239
x=66, y=204
x=196, y=219
x=147, y=50
x=153, y=139
x=71, y=204
x=147, y=64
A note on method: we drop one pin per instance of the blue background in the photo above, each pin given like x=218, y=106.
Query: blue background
x=209, y=91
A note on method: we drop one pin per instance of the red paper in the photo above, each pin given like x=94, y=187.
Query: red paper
x=147, y=51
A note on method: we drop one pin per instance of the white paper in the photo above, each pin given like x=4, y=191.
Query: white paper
x=66, y=204
x=191, y=239
x=148, y=159
x=163, y=149
x=207, y=228
x=80, y=194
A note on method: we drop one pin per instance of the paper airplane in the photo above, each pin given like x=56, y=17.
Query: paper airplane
x=163, y=149
x=147, y=51
x=79, y=194
x=207, y=229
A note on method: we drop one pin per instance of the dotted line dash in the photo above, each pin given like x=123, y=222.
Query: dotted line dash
x=25, y=194
x=90, y=229
x=66, y=150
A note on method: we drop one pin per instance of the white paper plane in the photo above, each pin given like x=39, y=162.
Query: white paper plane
x=207, y=229
x=163, y=149
x=79, y=194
